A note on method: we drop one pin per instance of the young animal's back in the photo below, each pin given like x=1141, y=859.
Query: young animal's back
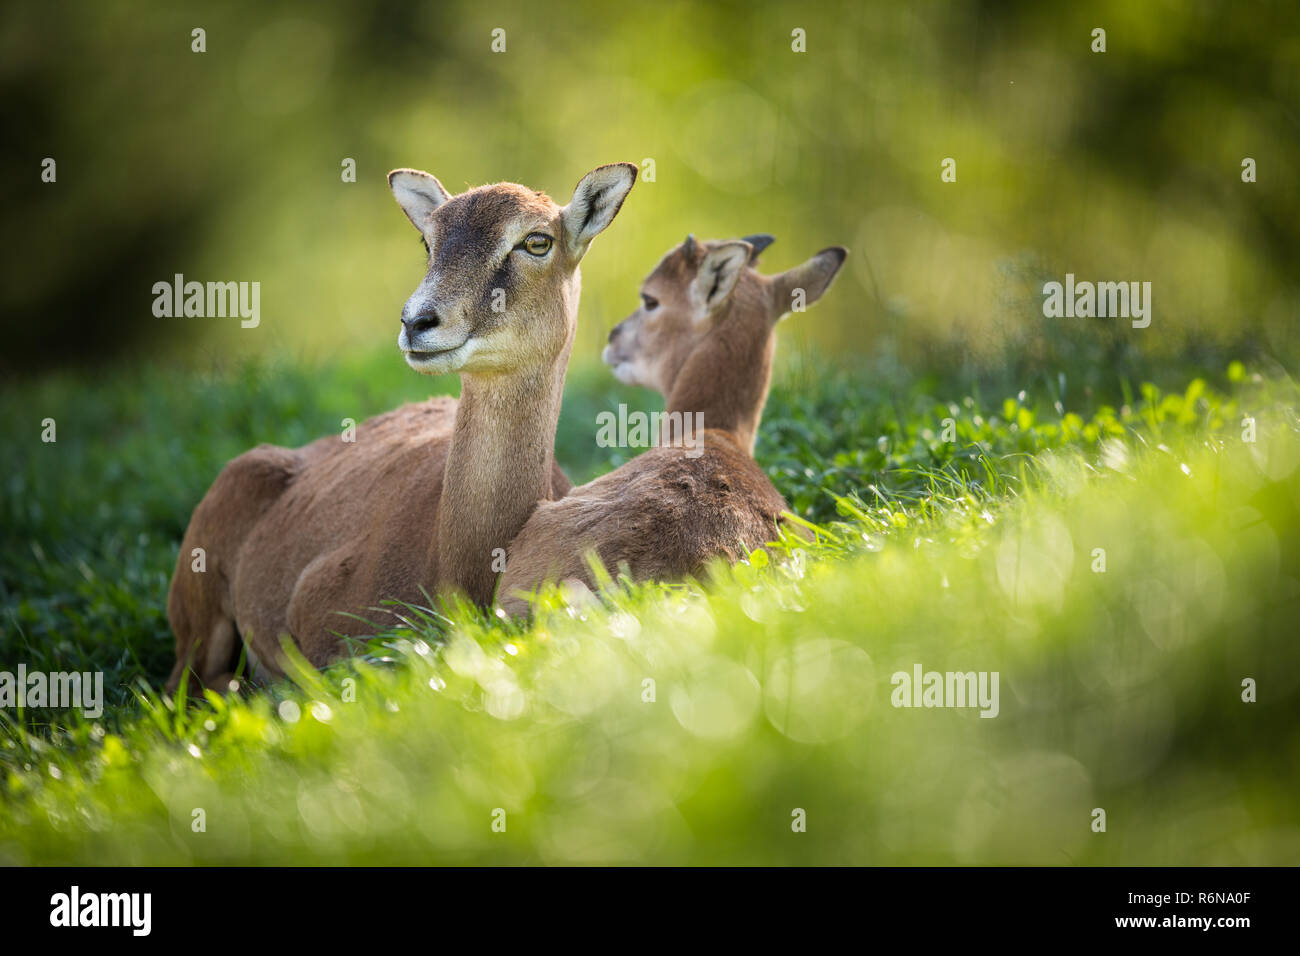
x=664, y=514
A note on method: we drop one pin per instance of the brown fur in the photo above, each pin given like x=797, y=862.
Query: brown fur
x=663, y=515
x=666, y=514
x=298, y=539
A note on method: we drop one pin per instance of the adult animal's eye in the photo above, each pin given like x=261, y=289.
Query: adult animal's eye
x=536, y=244
x=651, y=303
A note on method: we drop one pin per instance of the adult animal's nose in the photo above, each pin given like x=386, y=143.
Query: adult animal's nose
x=421, y=320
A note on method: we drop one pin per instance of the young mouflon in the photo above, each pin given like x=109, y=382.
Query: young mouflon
x=425, y=497
x=704, y=337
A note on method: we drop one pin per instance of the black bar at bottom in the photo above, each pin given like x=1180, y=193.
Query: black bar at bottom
x=332, y=905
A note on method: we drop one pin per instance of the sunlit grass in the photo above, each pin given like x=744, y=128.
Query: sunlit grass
x=770, y=693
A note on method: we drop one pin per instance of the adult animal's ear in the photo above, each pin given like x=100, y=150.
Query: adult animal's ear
x=800, y=287
x=419, y=194
x=596, y=201
x=717, y=275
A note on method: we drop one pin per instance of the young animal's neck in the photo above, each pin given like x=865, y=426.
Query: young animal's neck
x=726, y=378
x=498, y=468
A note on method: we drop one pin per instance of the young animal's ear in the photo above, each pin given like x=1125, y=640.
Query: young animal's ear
x=594, y=205
x=717, y=275
x=418, y=193
x=803, y=285
x=760, y=242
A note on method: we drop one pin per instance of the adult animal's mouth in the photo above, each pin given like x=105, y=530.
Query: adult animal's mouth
x=435, y=360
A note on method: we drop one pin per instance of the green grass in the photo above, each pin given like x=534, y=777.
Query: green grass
x=1118, y=690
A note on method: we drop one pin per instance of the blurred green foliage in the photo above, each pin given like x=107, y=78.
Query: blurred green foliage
x=225, y=165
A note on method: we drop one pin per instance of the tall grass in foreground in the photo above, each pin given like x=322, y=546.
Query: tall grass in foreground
x=690, y=723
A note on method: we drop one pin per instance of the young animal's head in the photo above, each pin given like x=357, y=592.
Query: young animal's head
x=706, y=306
x=501, y=290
